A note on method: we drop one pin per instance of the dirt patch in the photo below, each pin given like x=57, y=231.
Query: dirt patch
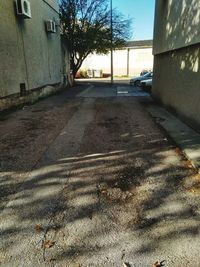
x=115, y=194
x=129, y=178
x=25, y=135
x=124, y=195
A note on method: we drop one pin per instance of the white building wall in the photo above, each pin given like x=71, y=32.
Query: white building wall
x=95, y=61
x=140, y=59
x=125, y=61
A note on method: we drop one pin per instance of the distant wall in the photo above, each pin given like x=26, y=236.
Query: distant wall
x=140, y=59
x=27, y=53
x=128, y=61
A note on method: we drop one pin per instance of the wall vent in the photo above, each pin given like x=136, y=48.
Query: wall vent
x=51, y=26
x=23, y=8
x=23, y=89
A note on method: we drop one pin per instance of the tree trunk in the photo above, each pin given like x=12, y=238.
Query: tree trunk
x=71, y=79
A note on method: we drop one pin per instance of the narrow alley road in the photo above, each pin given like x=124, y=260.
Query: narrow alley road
x=89, y=179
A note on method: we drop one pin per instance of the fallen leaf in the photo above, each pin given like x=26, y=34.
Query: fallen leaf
x=125, y=135
x=156, y=264
x=48, y=244
x=159, y=264
x=126, y=264
x=38, y=227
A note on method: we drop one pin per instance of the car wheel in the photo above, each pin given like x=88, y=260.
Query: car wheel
x=137, y=83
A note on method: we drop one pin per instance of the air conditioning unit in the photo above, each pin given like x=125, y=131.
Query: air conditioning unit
x=23, y=8
x=51, y=26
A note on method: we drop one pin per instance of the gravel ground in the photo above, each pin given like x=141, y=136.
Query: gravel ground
x=107, y=187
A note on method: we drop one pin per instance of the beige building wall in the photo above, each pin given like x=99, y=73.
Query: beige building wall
x=176, y=80
x=128, y=61
x=28, y=53
x=140, y=59
x=97, y=62
x=176, y=24
x=120, y=62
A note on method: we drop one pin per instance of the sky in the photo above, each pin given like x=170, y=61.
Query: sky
x=142, y=14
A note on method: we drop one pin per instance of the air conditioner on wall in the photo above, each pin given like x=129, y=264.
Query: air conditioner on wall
x=51, y=26
x=23, y=8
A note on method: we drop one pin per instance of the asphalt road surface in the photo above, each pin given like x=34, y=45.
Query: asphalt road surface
x=88, y=178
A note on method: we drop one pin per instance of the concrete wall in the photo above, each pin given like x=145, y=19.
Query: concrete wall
x=28, y=54
x=176, y=24
x=126, y=61
x=176, y=80
x=53, y=4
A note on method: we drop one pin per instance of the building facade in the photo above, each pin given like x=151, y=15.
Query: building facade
x=176, y=52
x=128, y=61
x=31, y=55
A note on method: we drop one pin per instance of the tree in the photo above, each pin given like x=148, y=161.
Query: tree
x=85, y=27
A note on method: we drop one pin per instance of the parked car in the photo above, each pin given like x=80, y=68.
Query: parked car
x=143, y=72
x=137, y=80
x=146, y=84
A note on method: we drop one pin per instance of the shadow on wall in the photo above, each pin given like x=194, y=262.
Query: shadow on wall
x=176, y=24
x=176, y=82
x=180, y=21
x=177, y=58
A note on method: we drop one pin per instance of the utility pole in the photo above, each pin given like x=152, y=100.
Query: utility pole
x=111, y=50
x=128, y=56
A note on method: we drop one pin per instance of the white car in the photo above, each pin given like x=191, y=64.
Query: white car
x=147, y=84
x=137, y=80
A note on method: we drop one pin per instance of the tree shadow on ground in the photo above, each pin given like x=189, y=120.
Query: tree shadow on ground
x=96, y=203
